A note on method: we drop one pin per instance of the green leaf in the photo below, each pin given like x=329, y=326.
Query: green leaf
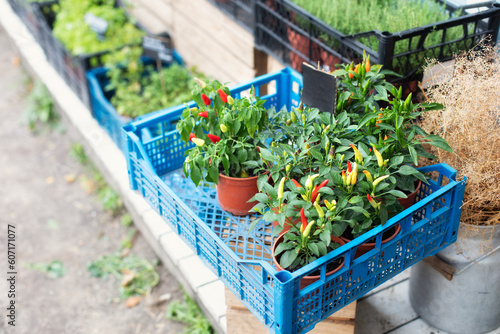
x=313, y=248
x=356, y=199
x=322, y=248
x=263, y=198
x=283, y=246
x=414, y=155
x=366, y=119
x=325, y=236
x=195, y=174
x=242, y=155
x=396, y=161
x=338, y=229
x=397, y=193
x=442, y=144
x=287, y=258
x=383, y=214
x=407, y=170
x=316, y=154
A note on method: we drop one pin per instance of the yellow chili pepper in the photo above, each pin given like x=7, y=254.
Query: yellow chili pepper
x=281, y=187
x=198, y=141
x=380, y=160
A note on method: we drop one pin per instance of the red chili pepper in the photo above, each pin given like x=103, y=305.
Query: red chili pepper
x=206, y=99
x=316, y=190
x=191, y=136
x=349, y=167
x=223, y=95
x=203, y=114
x=213, y=138
x=303, y=218
x=296, y=183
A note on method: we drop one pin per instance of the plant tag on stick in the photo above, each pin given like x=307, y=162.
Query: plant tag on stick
x=320, y=89
x=98, y=25
x=158, y=47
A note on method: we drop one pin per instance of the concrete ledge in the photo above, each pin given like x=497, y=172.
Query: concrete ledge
x=198, y=281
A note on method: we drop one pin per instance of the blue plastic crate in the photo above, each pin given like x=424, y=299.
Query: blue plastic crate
x=102, y=109
x=242, y=260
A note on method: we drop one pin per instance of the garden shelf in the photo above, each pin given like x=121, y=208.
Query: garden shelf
x=102, y=109
x=293, y=35
x=242, y=259
x=72, y=68
x=24, y=10
x=241, y=11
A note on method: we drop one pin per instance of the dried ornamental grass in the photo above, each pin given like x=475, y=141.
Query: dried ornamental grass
x=470, y=123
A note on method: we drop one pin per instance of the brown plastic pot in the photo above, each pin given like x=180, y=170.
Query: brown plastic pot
x=233, y=194
x=410, y=199
x=307, y=280
x=368, y=246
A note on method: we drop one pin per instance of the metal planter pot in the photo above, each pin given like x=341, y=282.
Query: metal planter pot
x=458, y=290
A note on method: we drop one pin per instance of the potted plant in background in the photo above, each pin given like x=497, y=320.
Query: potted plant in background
x=139, y=87
x=465, y=289
x=227, y=133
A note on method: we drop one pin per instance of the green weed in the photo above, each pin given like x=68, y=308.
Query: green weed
x=188, y=312
x=77, y=152
x=54, y=269
x=40, y=108
x=136, y=275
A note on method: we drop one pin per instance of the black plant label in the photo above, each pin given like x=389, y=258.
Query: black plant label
x=98, y=25
x=158, y=47
x=320, y=89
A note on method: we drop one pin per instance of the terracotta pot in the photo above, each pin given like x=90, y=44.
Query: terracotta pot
x=307, y=280
x=300, y=44
x=368, y=246
x=233, y=194
x=410, y=200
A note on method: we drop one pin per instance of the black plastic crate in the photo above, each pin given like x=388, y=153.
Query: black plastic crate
x=72, y=68
x=293, y=35
x=240, y=11
x=24, y=10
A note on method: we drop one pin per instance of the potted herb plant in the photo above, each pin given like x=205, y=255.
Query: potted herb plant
x=448, y=298
x=227, y=133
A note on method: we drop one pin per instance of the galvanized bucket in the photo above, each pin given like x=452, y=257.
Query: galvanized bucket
x=458, y=290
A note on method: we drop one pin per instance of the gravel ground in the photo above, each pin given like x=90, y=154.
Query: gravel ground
x=55, y=219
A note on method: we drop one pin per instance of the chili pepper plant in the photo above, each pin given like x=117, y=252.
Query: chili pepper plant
x=384, y=120
x=363, y=155
x=227, y=132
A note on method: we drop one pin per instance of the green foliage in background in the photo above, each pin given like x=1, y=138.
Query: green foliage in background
x=188, y=312
x=71, y=29
x=40, y=108
x=140, y=89
x=136, y=275
x=53, y=269
x=356, y=16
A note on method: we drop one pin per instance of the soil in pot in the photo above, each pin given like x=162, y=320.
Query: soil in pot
x=331, y=267
x=233, y=194
x=370, y=244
